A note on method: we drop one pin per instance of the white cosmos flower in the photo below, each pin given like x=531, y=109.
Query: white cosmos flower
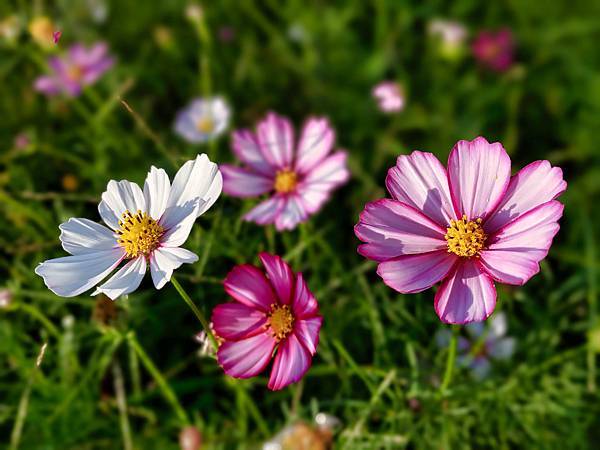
x=203, y=119
x=144, y=228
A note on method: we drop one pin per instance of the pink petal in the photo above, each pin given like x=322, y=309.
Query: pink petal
x=246, y=358
x=248, y=285
x=315, y=143
x=515, y=251
x=47, y=85
x=420, y=180
x=266, y=212
x=467, y=295
x=391, y=229
x=291, y=214
x=241, y=182
x=234, y=321
x=304, y=303
x=478, y=173
x=246, y=148
x=307, y=332
x=280, y=275
x=415, y=273
x=533, y=185
x=291, y=363
x=276, y=140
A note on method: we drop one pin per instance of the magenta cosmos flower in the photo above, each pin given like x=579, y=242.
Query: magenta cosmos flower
x=494, y=50
x=269, y=313
x=299, y=179
x=467, y=227
x=79, y=67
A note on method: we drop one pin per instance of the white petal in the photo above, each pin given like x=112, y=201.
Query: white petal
x=164, y=261
x=71, y=275
x=80, y=236
x=120, y=197
x=126, y=280
x=178, y=222
x=157, y=188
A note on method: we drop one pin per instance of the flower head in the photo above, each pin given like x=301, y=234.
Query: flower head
x=5, y=298
x=41, y=29
x=79, y=67
x=269, y=313
x=203, y=119
x=389, y=96
x=467, y=226
x=451, y=36
x=144, y=228
x=299, y=178
x=494, y=50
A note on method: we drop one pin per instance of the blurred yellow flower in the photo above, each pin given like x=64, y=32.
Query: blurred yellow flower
x=41, y=29
x=10, y=28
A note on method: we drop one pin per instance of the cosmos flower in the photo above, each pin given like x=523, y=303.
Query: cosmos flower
x=144, y=228
x=41, y=29
x=5, y=297
x=482, y=346
x=56, y=36
x=203, y=119
x=494, y=50
x=468, y=226
x=79, y=67
x=389, y=96
x=272, y=313
x=299, y=179
x=451, y=37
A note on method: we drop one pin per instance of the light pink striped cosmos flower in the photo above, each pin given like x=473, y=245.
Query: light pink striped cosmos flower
x=467, y=227
x=272, y=312
x=389, y=96
x=299, y=179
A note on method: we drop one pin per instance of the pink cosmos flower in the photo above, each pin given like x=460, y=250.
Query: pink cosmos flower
x=269, y=313
x=494, y=50
x=299, y=178
x=467, y=227
x=56, y=36
x=389, y=96
x=79, y=67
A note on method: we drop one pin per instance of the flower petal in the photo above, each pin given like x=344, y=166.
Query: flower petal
x=415, y=273
x=234, y=321
x=120, y=197
x=266, y=211
x=246, y=358
x=276, y=140
x=81, y=236
x=246, y=148
x=533, y=185
x=420, y=180
x=515, y=251
x=164, y=260
x=240, y=182
x=478, y=173
x=466, y=295
x=157, y=188
x=304, y=303
x=280, y=276
x=307, y=332
x=178, y=221
x=71, y=275
x=291, y=214
x=126, y=280
x=291, y=362
x=248, y=285
x=391, y=229
x=315, y=143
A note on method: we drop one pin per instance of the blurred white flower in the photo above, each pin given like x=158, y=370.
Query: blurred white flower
x=203, y=119
x=5, y=298
x=451, y=36
x=390, y=96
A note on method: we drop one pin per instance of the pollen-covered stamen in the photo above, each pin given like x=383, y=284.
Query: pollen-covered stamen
x=280, y=320
x=465, y=237
x=205, y=125
x=285, y=181
x=139, y=234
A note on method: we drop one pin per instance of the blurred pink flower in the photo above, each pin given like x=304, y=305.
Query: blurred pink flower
x=494, y=50
x=269, y=313
x=467, y=227
x=56, y=36
x=79, y=67
x=226, y=33
x=21, y=141
x=299, y=178
x=389, y=96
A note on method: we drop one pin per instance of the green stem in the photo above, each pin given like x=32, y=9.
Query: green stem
x=186, y=298
x=122, y=406
x=450, y=360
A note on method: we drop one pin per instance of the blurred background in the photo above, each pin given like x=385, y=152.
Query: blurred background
x=130, y=374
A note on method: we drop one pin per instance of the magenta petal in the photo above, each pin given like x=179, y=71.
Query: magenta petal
x=420, y=180
x=291, y=363
x=307, y=332
x=478, y=173
x=240, y=182
x=515, y=251
x=248, y=285
x=304, y=303
x=467, y=295
x=276, y=140
x=391, y=229
x=415, y=273
x=329, y=174
x=47, y=85
x=291, y=214
x=280, y=275
x=267, y=211
x=533, y=185
x=237, y=321
x=246, y=148
x=246, y=358
x=315, y=143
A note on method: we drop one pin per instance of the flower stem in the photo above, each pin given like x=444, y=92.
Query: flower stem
x=186, y=298
x=450, y=360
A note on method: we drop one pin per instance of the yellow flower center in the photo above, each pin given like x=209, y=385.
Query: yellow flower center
x=75, y=73
x=139, y=233
x=285, y=181
x=465, y=237
x=281, y=321
x=205, y=125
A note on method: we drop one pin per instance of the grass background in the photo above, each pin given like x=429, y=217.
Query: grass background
x=378, y=367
